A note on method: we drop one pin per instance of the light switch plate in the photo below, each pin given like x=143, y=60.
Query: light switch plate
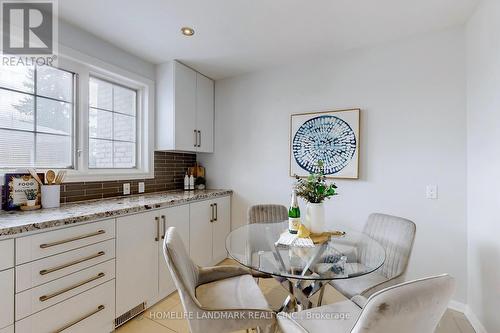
x=141, y=187
x=126, y=188
x=431, y=192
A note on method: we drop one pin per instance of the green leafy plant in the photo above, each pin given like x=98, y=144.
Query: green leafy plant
x=314, y=188
x=31, y=194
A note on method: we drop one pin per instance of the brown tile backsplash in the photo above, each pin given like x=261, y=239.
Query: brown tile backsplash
x=169, y=168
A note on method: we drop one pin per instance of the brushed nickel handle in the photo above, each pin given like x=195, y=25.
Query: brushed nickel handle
x=199, y=136
x=99, y=309
x=57, y=293
x=57, y=268
x=195, y=138
x=216, y=212
x=211, y=213
x=157, y=219
x=164, y=218
x=98, y=232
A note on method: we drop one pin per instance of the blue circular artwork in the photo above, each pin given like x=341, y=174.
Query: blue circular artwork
x=326, y=138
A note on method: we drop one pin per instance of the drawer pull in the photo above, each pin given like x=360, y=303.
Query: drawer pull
x=57, y=293
x=99, y=309
x=54, y=269
x=99, y=232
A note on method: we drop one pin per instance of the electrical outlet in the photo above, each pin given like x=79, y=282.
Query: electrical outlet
x=431, y=192
x=141, y=187
x=126, y=188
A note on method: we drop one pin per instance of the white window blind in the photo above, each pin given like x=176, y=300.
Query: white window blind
x=36, y=117
x=112, y=125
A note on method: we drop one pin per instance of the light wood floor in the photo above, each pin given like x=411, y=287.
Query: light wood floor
x=452, y=322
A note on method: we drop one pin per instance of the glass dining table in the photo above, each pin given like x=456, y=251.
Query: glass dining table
x=303, y=271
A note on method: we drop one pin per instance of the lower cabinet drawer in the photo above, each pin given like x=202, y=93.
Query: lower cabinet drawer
x=92, y=311
x=46, y=295
x=49, y=269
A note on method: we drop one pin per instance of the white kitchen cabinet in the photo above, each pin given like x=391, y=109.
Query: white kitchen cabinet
x=137, y=238
x=221, y=228
x=177, y=217
x=210, y=223
x=185, y=109
x=6, y=298
x=205, y=113
x=200, y=232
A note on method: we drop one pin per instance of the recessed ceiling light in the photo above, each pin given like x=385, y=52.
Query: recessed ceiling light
x=187, y=31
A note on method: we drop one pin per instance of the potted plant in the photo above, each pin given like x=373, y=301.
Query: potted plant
x=31, y=196
x=314, y=190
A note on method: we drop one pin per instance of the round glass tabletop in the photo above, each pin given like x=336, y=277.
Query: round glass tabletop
x=340, y=257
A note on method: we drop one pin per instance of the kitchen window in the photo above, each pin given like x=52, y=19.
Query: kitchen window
x=37, y=112
x=112, y=125
x=86, y=116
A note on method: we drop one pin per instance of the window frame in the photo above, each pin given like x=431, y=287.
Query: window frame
x=84, y=66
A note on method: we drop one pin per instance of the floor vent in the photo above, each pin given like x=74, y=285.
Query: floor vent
x=130, y=314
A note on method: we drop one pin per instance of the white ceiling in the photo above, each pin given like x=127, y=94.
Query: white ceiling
x=237, y=36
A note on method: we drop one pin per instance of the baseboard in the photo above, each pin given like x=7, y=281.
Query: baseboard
x=457, y=306
x=474, y=321
x=466, y=310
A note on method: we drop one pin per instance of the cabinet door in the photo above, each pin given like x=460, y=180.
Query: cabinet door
x=205, y=113
x=221, y=228
x=200, y=233
x=136, y=260
x=177, y=217
x=7, y=297
x=185, y=107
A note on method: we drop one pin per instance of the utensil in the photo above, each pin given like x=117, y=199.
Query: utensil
x=35, y=176
x=50, y=176
x=60, y=177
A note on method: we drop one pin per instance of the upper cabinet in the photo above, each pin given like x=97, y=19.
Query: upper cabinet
x=185, y=109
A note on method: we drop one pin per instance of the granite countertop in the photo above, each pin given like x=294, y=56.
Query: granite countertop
x=13, y=223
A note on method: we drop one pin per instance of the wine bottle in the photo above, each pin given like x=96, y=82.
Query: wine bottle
x=294, y=215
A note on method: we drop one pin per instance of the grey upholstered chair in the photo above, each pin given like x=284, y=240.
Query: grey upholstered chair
x=219, y=299
x=412, y=307
x=267, y=214
x=396, y=235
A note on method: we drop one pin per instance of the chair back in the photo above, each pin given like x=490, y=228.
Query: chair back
x=267, y=214
x=184, y=271
x=411, y=307
x=396, y=235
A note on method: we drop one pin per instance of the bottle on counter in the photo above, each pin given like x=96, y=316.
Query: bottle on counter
x=186, y=182
x=294, y=215
x=191, y=183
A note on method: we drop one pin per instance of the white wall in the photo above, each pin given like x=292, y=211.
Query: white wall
x=91, y=45
x=412, y=96
x=483, y=117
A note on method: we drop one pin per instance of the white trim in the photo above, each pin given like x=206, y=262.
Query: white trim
x=469, y=314
x=474, y=321
x=457, y=306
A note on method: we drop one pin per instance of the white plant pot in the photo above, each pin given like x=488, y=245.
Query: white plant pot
x=315, y=217
x=31, y=203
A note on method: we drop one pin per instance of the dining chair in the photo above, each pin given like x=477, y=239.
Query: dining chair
x=396, y=235
x=264, y=213
x=217, y=299
x=412, y=307
x=267, y=213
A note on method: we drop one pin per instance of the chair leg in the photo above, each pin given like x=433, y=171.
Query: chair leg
x=321, y=293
